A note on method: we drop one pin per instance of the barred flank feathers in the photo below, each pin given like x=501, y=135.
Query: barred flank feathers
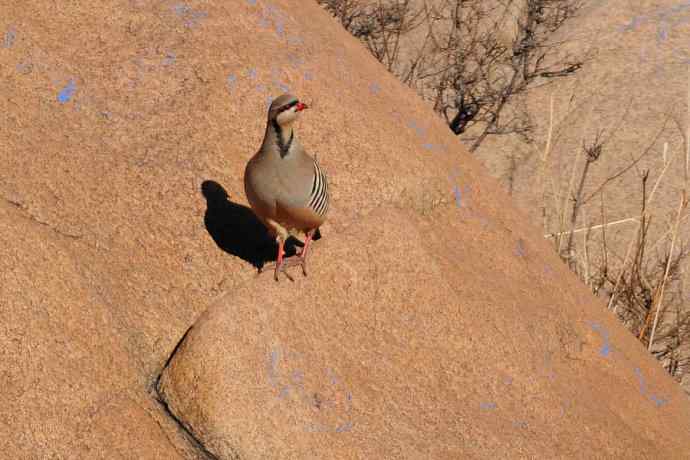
x=318, y=199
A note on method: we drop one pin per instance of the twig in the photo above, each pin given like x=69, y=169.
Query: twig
x=622, y=270
x=681, y=207
x=667, y=162
x=628, y=167
x=585, y=239
x=544, y=159
x=593, y=227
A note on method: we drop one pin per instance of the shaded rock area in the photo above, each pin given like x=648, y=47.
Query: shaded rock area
x=435, y=321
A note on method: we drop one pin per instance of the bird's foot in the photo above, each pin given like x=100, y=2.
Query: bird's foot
x=277, y=267
x=280, y=267
x=294, y=261
x=301, y=260
x=287, y=262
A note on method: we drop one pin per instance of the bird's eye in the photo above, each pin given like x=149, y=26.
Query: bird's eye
x=287, y=106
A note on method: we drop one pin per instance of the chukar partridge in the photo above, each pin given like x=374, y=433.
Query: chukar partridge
x=285, y=187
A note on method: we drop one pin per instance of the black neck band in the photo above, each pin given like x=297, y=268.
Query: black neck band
x=283, y=147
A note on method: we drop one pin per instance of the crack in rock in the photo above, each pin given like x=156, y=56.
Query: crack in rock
x=185, y=427
x=20, y=205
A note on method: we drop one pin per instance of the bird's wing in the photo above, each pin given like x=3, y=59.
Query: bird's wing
x=305, y=210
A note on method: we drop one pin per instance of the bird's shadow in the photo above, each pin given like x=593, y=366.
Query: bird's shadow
x=237, y=231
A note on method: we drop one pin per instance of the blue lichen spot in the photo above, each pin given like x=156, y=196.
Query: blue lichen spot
x=181, y=9
x=605, y=349
x=280, y=28
x=644, y=389
x=231, y=82
x=347, y=426
x=662, y=33
x=520, y=248
x=295, y=60
x=67, y=92
x=191, y=18
x=458, y=196
x=488, y=405
x=8, y=39
x=658, y=401
x=169, y=58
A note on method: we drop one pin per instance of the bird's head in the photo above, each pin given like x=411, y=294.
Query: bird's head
x=285, y=109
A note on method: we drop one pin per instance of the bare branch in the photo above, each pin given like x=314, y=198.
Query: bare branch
x=473, y=75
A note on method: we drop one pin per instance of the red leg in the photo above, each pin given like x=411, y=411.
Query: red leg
x=303, y=253
x=279, y=258
x=281, y=262
x=307, y=240
x=300, y=259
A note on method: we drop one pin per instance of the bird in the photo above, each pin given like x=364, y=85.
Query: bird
x=286, y=188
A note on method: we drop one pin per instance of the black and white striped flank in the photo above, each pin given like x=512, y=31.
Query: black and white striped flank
x=318, y=199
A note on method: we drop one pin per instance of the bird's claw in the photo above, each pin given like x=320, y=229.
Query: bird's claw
x=286, y=263
x=298, y=260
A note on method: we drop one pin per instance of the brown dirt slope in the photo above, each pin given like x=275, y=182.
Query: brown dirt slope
x=435, y=322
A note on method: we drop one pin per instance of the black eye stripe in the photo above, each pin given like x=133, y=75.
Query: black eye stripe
x=288, y=106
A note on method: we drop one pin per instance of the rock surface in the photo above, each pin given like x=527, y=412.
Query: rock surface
x=435, y=320
x=402, y=357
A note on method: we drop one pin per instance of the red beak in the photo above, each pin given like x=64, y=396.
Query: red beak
x=301, y=106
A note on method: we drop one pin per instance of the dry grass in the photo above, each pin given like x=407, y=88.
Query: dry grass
x=645, y=289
